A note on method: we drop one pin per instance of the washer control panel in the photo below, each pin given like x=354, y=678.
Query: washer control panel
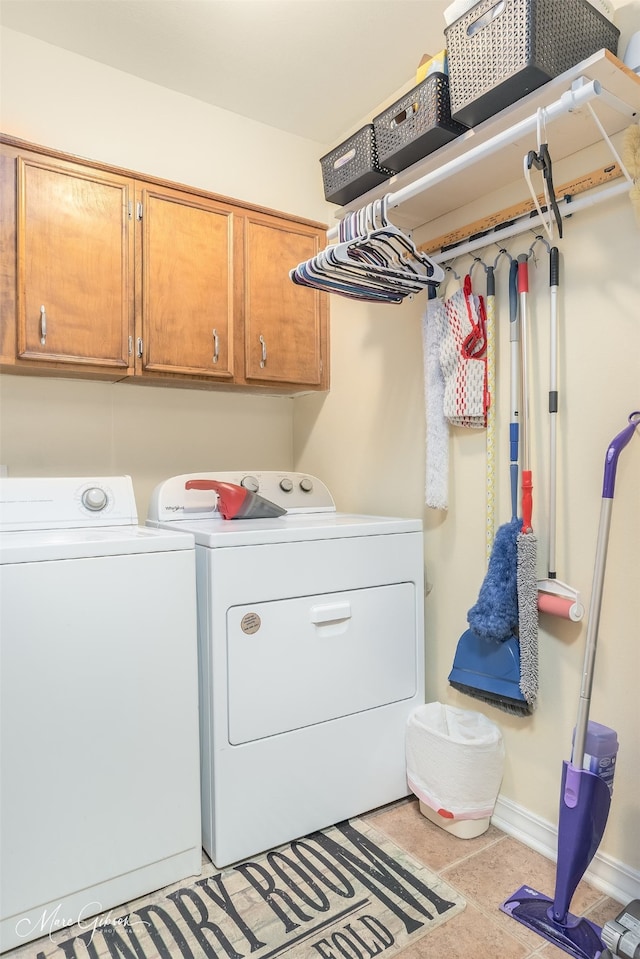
x=66, y=502
x=295, y=492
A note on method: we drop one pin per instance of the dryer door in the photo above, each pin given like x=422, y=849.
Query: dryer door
x=296, y=662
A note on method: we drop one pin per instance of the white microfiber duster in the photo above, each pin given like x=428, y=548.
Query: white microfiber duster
x=437, y=426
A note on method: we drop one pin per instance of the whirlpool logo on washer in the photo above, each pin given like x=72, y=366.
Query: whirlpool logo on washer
x=250, y=623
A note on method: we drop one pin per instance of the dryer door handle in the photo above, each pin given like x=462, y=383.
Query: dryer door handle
x=331, y=613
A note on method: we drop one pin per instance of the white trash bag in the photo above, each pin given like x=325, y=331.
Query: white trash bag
x=455, y=761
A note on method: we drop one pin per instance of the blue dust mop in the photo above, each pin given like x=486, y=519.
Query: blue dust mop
x=487, y=663
x=495, y=615
x=487, y=660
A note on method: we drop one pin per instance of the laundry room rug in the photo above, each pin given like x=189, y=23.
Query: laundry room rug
x=347, y=891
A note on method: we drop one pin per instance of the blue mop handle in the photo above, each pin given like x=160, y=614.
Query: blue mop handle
x=514, y=426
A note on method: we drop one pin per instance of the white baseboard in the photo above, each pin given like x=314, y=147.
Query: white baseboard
x=608, y=875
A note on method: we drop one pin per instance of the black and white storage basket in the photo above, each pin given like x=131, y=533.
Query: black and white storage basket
x=416, y=124
x=500, y=50
x=352, y=168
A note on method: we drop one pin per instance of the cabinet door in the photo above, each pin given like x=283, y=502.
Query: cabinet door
x=187, y=284
x=74, y=264
x=285, y=325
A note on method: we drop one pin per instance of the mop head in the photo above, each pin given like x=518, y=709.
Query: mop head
x=528, y=616
x=631, y=160
x=495, y=615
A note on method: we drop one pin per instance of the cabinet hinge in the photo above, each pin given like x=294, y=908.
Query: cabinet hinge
x=130, y=345
x=138, y=211
x=130, y=209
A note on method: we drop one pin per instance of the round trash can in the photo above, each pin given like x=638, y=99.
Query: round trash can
x=455, y=762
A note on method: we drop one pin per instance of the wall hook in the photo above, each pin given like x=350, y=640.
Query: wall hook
x=502, y=252
x=538, y=239
x=450, y=269
x=477, y=260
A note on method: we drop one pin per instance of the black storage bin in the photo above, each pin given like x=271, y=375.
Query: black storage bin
x=500, y=50
x=352, y=168
x=416, y=124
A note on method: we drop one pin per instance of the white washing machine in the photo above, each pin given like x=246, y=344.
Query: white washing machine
x=311, y=644
x=99, y=757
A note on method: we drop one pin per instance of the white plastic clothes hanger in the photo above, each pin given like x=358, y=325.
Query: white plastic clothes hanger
x=386, y=248
x=374, y=260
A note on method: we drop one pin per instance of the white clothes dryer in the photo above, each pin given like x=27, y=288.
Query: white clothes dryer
x=99, y=758
x=311, y=653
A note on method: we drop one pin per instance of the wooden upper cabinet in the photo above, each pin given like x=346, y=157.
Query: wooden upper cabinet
x=285, y=325
x=187, y=297
x=74, y=262
x=109, y=274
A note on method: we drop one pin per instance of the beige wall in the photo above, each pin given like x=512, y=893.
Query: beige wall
x=73, y=427
x=366, y=437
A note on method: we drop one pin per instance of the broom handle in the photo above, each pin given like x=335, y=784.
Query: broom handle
x=514, y=337
x=527, y=487
x=491, y=409
x=554, y=279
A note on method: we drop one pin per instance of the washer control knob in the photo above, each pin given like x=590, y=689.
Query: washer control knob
x=250, y=483
x=94, y=499
x=286, y=485
x=306, y=485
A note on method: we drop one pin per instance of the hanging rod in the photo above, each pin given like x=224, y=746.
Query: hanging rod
x=582, y=91
x=529, y=222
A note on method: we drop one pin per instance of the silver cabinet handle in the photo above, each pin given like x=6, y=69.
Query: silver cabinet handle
x=216, y=346
x=263, y=361
x=43, y=325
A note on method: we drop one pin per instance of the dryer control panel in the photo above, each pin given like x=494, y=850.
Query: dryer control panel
x=295, y=492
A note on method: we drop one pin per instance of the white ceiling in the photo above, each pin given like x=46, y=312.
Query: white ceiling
x=314, y=68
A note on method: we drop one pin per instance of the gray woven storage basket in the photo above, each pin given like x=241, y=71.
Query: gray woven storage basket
x=352, y=168
x=500, y=50
x=416, y=124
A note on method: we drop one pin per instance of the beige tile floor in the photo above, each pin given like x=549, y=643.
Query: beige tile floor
x=485, y=871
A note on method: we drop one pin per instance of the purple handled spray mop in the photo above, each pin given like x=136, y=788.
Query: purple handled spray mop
x=585, y=796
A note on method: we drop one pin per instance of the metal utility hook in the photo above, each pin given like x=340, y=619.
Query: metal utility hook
x=450, y=269
x=538, y=239
x=502, y=252
x=478, y=261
